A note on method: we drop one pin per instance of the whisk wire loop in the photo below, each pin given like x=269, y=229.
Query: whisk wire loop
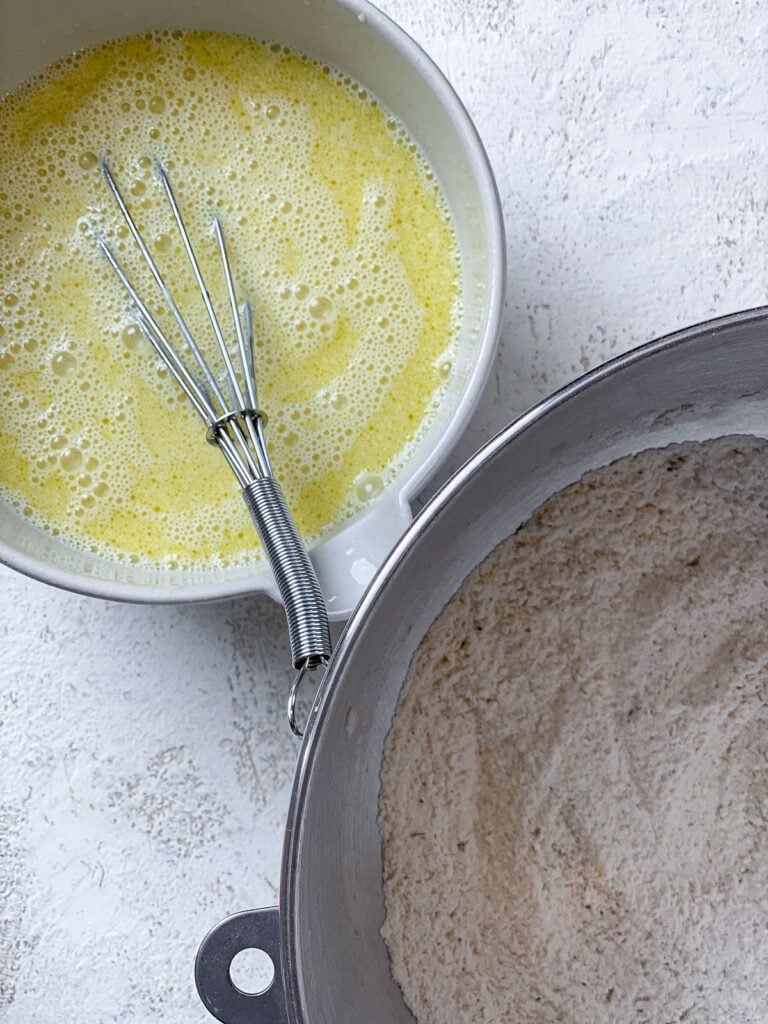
x=160, y=281
x=246, y=461
x=248, y=378
x=232, y=381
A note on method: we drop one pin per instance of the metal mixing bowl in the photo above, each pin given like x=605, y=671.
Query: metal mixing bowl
x=331, y=961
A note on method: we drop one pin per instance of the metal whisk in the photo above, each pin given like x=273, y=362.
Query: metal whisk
x=234, y=424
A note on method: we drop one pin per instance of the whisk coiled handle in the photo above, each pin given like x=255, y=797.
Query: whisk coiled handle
x=308, y=629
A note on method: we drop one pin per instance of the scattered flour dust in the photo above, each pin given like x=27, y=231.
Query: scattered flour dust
x=575, y=788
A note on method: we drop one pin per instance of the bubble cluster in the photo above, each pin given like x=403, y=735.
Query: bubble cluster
x=338, y=234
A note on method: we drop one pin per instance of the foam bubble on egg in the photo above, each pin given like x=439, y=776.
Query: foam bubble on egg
x=339, y=236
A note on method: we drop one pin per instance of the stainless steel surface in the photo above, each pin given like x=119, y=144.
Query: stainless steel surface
x=293, y=697
x=702, y=382
x=253, y=929
x=234, y=424
x=297, y=583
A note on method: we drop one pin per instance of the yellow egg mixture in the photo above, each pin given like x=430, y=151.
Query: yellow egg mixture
x=338, y=235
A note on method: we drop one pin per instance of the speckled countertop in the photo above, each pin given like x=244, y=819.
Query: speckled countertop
x=146, y=766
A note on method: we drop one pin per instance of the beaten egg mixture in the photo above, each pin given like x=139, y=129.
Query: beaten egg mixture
x=338, y=233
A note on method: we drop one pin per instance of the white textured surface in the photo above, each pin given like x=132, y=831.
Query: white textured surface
x=146, y=767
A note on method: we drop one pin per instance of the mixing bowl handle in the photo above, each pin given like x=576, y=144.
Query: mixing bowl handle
x=252, y=929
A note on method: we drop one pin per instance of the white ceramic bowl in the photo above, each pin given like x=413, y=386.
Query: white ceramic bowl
x=354, y=37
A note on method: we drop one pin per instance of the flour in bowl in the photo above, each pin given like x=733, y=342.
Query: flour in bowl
x=574, y=804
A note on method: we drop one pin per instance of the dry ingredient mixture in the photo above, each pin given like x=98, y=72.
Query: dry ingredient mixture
x=338, y=233
x=575, y=791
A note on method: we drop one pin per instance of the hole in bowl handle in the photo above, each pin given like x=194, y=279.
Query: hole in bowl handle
x=251, y=929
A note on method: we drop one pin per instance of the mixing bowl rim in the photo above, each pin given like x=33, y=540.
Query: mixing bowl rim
x=404, y=487
x=346, y=646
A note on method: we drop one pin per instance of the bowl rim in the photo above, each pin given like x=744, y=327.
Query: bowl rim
x=405, y=487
